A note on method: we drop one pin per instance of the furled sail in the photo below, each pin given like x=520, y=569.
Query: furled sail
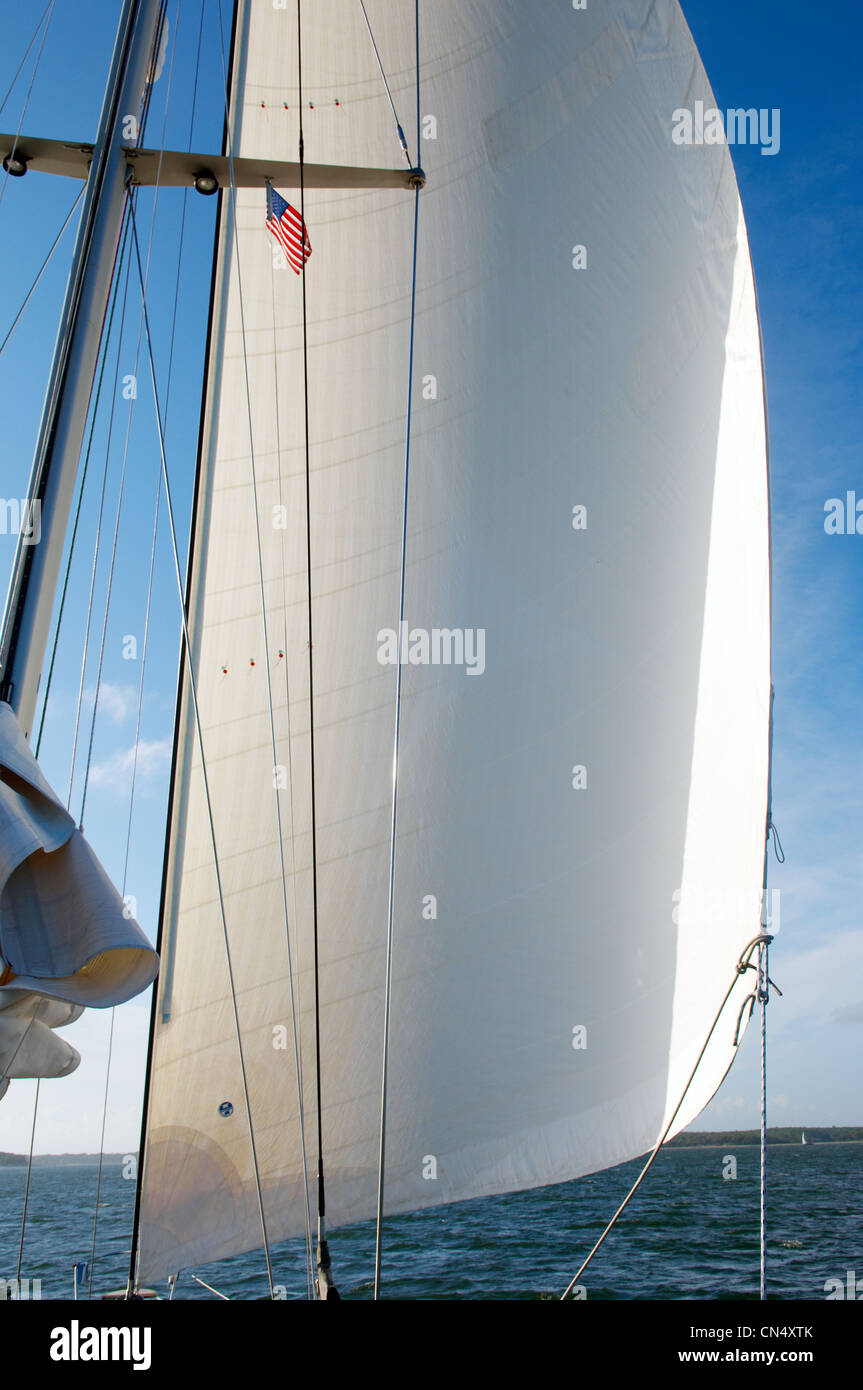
x=585, y=687
x=66, y=939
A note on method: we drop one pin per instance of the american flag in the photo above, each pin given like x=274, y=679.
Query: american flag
x=289, y=229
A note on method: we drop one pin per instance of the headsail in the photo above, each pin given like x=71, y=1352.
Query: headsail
x=584, y=728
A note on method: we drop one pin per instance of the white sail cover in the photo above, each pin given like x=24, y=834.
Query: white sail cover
x=582, y=787
x=66, y=937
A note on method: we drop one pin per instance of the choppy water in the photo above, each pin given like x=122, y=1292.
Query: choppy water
x=688, y=1234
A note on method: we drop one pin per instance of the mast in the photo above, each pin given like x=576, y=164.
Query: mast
x=34, y=578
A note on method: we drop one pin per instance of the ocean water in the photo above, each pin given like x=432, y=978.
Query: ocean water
x=689, y=1233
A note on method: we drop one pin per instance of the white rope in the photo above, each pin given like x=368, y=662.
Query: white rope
x=743, y=964
x=763, y=997
x=206, y=1286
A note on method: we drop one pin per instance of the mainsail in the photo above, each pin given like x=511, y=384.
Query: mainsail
x=583, y=756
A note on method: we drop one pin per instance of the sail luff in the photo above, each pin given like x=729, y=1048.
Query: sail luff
x=157, y=999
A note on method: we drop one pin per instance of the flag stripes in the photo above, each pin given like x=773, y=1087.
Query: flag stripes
x=288, y=228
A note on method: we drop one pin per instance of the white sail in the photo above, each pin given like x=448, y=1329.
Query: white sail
x=582, y=786
x=66, y=937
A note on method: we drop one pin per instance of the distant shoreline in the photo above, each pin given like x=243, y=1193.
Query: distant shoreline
x=8, y=1160
x=692, y=1139
x=778, y=1134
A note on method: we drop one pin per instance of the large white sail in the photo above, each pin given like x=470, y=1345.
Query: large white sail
x=582, y=796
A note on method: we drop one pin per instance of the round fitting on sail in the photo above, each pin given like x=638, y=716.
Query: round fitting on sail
x=15, y=165
x=206, y=182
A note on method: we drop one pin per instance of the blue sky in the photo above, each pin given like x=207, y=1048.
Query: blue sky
x=804, y=210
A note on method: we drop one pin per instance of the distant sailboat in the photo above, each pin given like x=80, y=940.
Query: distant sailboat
x=470, y=782
x=803, y=1139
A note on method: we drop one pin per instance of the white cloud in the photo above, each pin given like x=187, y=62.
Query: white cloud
x=116, y=771
x=115, y=701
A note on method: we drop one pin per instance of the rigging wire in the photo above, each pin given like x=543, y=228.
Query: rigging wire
x=395, y=752
x=109, y=316
x=200, y=739
x=128, y=423
x=62, y=605
x=397, y=723
x=43, y=267
x=27, y=1182
x=256, y=510
x=155, y=993
x=744, y=963
x=289, y=741
x=326, y=1289
x=101, y=1151
x=401, y=135
x=26, y=54
x=50, y=13
x=95, y=565
x=120, y=496
x=147, y=606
